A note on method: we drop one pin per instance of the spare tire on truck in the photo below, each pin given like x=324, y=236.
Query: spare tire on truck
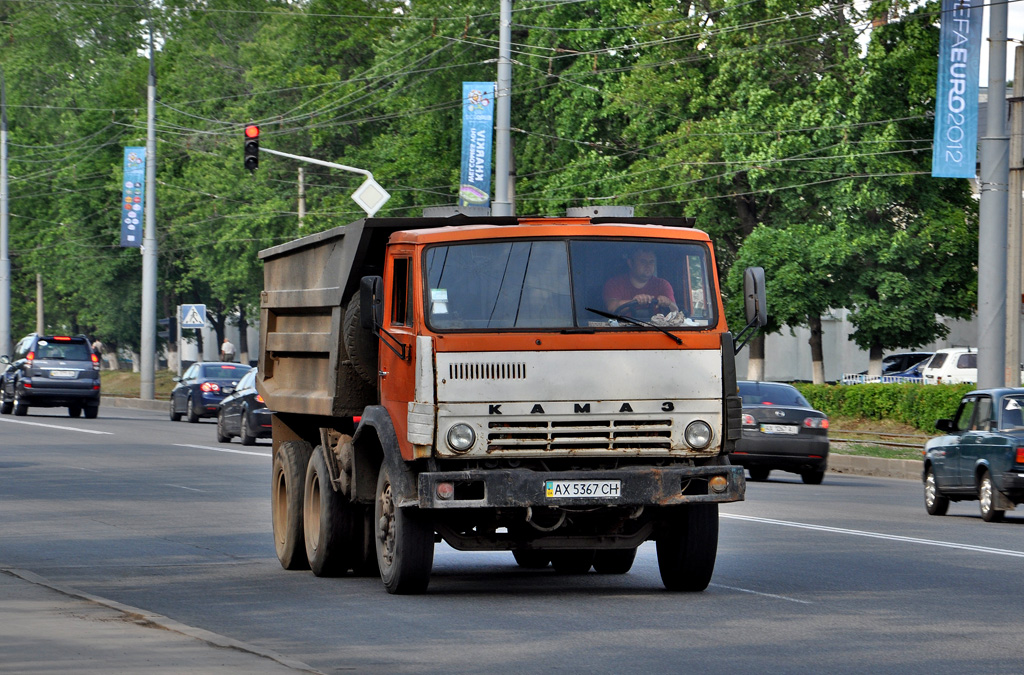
x=360, y=343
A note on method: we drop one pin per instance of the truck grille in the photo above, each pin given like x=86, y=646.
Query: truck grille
x=593, y=435
x=487, y=371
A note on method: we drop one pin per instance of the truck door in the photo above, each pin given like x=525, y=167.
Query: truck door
x=397, y=374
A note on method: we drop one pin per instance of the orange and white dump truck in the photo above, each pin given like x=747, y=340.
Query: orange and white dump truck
x=481, y=381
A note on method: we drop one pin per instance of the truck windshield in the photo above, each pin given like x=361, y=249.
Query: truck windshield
x=549, y=284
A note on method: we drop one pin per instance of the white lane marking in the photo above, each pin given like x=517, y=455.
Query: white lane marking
x=182, y=487
x=82, y=468
x=767, y=595
x=237, y=452
x=57, y=426
x=879, y=535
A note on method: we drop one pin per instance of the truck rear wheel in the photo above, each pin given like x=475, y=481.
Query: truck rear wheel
x=572, y=561
x=286, y=492
x=360, y=343
x=614, y=561
x=687, y=548
x=327, y=521
x=404, y=542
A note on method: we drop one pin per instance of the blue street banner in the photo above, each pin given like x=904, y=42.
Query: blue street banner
x=955, y=146
x=132, y=198
x=477, y=131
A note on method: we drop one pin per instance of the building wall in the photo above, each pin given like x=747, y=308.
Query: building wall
x=788, y=353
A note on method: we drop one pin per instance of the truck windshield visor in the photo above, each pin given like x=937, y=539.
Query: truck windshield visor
x=550, y=284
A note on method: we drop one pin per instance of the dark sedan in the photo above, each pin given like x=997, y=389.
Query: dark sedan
x=781, y=431
x=980, y=457
x=243, y=413
x=200, y=390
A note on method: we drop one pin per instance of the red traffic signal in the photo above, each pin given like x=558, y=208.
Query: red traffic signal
x=252, y=147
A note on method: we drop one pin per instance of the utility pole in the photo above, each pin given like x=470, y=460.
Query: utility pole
x=502, y=205
x=1014, y=223
x=40, y=316
x=5, y=257
x=147, y=346
x=302, y=194
x=995, y=177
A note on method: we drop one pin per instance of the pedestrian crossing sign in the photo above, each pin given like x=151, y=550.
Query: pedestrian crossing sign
x=193, y=316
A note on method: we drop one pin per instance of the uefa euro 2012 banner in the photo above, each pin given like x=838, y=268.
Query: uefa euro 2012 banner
x=955, y=146
x=477, y=134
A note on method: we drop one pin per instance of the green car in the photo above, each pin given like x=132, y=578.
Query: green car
x=980, y=457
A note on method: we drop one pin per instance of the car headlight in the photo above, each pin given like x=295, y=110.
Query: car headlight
x=461, y=437
x=697, y=434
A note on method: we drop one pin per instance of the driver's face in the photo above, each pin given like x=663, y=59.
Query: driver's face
x=642, y=266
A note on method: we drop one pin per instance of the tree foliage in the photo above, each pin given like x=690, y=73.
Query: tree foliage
x=796, y=148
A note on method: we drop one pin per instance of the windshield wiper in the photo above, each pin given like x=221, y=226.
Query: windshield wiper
x=635, y=322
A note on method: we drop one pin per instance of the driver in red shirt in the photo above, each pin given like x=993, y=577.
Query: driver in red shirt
x=640, y=288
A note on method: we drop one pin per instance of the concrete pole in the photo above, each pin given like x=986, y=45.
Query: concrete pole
x=995, y=177
x=6, y=347
x=147, y=348
x=40, y=320
x=501, y=205
x=1014, y=223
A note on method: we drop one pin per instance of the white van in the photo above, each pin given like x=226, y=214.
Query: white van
x=954, y=365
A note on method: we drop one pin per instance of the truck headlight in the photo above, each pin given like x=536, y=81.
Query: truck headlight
x=461, y=437
x=697, y=434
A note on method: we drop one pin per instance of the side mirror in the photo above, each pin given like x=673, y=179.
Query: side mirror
x=5, y=359
x=371, y=302
x=176, y=379
x=754, y=296
x=944, y=425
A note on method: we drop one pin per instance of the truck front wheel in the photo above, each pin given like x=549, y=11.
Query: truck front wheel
x=286, y=492
x=404, y=542
x=327, y=521
x=687, y=548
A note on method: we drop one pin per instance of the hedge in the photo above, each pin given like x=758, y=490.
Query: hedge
x=918, y=405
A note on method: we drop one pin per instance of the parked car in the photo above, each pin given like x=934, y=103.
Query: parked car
x=980, y=457
x=243, y=413
x=781, y=431
x=51, y=371
x=902, y=367
x=953, y=365
x=200, y=390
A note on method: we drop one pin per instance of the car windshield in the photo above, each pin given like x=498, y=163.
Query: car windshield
x=769, y=393
x=223, y=372
x=549, y=284
x=67, y=350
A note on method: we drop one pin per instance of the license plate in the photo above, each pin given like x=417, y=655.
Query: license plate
x=582, y=489
x=62, y=373
x=779, y=429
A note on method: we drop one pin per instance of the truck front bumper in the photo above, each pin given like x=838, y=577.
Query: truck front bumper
x=637, y=486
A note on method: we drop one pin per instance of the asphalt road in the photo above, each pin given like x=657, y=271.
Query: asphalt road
x=849, y=576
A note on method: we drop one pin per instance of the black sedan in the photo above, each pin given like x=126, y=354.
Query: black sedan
x=781, y=431
x=980, y=457
x=243, y=413
x=203, y=386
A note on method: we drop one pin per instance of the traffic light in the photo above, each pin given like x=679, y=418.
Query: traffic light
x=252, y=147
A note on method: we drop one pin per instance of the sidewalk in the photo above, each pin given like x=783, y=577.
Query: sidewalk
x=50, y=628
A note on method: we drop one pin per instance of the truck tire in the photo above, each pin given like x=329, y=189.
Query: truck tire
x=360, y=343
x=614, y=561
x=573, y=561
x=687, y=547
x=289, y=474
x=531, y=560
x=327, y=521
x=403, y=540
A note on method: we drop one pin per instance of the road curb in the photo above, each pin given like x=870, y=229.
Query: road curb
x=138, y=403
x=164, y=622
x=874, y=466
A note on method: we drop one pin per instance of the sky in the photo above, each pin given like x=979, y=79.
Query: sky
x=1014, y=36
